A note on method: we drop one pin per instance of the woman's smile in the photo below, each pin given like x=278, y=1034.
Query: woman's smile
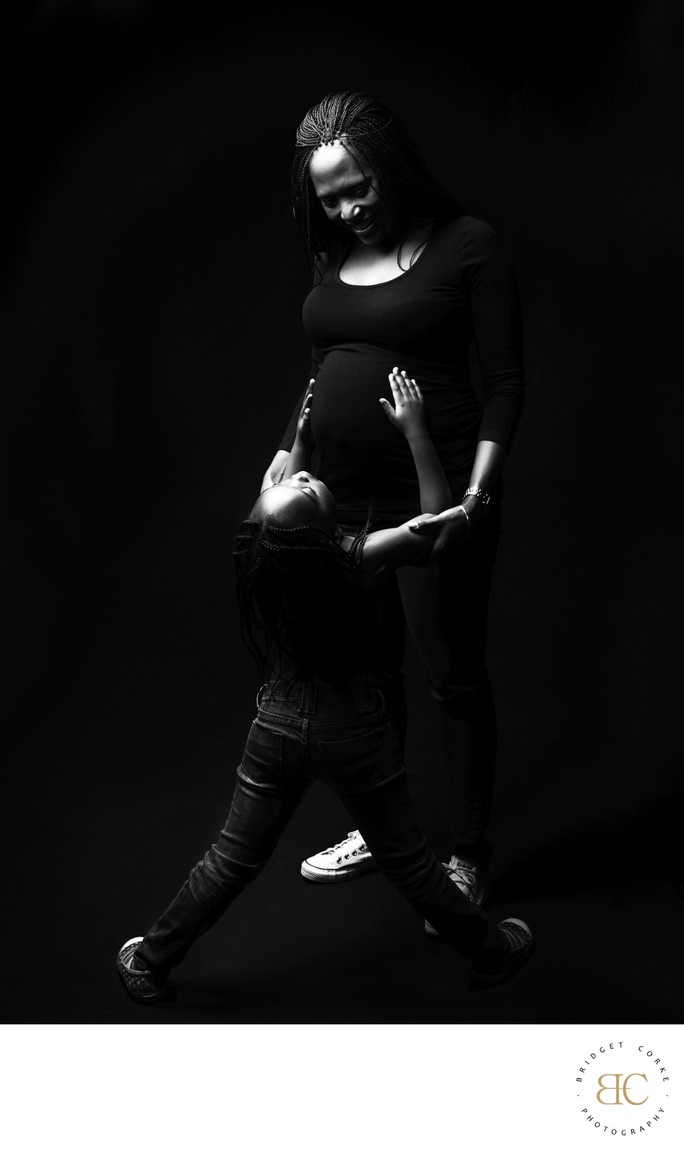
x=348, y=195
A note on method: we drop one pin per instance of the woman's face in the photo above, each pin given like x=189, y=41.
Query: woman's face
x=301, y=497
x=349, y=196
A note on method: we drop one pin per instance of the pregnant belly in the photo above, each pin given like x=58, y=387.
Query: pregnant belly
x=361, y=451
x=352, y=432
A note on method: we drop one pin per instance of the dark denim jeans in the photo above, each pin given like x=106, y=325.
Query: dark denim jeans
x=338, y=733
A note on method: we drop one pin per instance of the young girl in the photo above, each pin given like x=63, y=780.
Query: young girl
x=311, y=613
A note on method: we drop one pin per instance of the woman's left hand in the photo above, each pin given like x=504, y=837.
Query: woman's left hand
x=448, y=529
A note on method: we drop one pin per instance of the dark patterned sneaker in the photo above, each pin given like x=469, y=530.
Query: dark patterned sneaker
x=518, y=948
x=345, y=860
x=141, y=984
x=469, y=879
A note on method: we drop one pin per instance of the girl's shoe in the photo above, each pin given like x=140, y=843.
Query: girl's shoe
x=141, y=984
x=345, y=860
x=470, y=880
x=518, y=948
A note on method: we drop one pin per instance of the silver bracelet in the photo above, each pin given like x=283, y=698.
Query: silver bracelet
x=460, y=507
x=478, y=493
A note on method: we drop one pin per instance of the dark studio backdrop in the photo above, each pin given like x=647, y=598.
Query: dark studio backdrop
x=151, y=353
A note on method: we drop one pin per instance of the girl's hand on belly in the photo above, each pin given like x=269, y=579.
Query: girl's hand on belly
x=408, y=414
x=303, y=436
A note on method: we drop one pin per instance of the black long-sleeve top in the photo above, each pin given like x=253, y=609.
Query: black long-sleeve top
x=461, y=288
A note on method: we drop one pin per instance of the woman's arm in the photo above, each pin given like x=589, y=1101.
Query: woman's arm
x=453, y=526
x=497, y=327
x=497, y=330
x=487, y=467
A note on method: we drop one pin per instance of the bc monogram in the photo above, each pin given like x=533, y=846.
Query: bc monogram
x=644, y=1079
x=618, y=1088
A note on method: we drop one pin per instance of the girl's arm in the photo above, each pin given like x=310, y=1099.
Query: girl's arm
x=396, y=546
x=274, y=472
x=299, y=459
x=283, y=465
x=408, y=416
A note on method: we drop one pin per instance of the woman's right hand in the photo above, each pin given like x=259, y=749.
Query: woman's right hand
x=448, y=529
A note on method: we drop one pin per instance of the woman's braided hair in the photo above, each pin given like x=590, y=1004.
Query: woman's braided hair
x=379, y=142
x=297, y=598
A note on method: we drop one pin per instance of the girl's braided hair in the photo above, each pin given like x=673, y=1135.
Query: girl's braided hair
x=298, y=597
x=379, y=142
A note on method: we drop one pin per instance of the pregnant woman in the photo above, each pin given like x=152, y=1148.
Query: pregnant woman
x=402, y=274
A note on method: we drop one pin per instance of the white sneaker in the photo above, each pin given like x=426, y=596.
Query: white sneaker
x=345, y=860
x=469, y=879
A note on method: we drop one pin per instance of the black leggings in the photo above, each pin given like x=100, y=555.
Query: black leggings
x=445, y=605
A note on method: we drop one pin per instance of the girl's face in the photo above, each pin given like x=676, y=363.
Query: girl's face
x=349, y=196
x=301, y=497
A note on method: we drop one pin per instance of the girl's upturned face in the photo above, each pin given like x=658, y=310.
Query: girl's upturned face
x=302, y=496
x=349, y=196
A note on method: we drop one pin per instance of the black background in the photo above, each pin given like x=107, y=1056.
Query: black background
x=152, y=351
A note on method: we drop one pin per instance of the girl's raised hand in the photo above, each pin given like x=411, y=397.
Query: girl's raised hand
x=304, y=421
x=408, y=413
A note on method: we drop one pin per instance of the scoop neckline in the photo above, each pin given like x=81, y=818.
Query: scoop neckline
x=395, y=279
